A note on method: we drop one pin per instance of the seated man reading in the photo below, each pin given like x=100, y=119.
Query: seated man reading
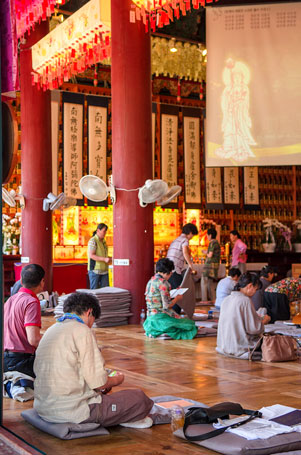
x=22, y=322
x=71, y=382
x=239, y=326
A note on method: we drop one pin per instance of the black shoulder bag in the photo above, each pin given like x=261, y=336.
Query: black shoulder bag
x=211, y=415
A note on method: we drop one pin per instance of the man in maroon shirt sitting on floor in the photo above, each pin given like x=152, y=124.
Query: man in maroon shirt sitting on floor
x=22, y=322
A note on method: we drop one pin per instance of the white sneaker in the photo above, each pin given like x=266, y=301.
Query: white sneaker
x=147, y=422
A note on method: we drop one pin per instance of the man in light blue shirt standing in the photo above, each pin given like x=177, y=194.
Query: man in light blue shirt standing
x=226, y=286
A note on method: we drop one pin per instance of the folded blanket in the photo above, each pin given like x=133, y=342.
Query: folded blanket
x=83, y=430
x=63, y=430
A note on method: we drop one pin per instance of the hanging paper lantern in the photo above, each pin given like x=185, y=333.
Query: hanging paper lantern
x=158, y=13
x=78, y=43
x=28, y=12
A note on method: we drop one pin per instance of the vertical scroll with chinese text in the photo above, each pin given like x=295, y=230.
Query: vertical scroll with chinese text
x=73, y=113
x=191, y=125
x=97, y=136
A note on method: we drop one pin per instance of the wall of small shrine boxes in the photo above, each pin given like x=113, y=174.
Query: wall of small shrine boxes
x=279, y=187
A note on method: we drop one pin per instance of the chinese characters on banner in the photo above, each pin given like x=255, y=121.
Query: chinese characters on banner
x=97, y=141
x=169, y=148
x=251, y=189
x=192, y=160
x=213, y=185
x=231, y=185
x=73, y=146
x=55, y=113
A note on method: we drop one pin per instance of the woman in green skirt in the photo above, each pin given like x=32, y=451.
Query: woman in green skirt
x=161, y=319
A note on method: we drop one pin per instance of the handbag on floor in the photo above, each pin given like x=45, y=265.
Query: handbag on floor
x=211, y=415
x=276, y=348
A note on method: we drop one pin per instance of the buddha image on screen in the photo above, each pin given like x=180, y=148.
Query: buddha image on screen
x=236, y=124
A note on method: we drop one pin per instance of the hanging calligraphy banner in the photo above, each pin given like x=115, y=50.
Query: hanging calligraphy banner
x=154, y=111
x=231, y=186
x=214, y=198
x=251, y=187
x=169, y=145
x=192, y=167
x=97, y=136
x=73, y=114
x=55, y=114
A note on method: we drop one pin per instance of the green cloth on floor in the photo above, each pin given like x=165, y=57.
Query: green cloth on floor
x=178, y=329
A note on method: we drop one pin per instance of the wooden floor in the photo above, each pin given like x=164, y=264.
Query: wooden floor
x=188, y=369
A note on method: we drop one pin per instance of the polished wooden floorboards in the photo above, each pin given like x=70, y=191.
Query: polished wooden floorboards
x=188, y=369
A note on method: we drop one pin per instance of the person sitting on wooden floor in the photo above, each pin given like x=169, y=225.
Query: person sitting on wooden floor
x=277, y=298
x=226, y=286
x=22, y=322
x=71, y=382
x=267, y=274
x=239, y=326
x=161, y=318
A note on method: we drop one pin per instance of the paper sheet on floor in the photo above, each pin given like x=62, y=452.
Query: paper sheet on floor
x=255, y=429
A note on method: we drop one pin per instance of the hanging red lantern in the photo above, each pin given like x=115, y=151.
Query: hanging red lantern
x=201, y=91
x=95, y=81
x=161, y=12
x=179, y=91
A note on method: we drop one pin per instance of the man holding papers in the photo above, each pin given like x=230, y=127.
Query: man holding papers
x=161, y=319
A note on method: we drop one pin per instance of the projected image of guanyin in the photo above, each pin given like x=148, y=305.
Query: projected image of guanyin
x=236, y=124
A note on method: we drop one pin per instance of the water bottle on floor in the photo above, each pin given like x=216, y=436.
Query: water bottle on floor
x=142, y=316
x=177, y=418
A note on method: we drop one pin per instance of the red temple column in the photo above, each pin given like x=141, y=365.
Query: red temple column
x=35, y=161
x=131, y=152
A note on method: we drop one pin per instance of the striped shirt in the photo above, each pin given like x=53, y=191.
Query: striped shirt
x=175, y=253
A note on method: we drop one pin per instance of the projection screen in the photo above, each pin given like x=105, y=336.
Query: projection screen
x=253, y=104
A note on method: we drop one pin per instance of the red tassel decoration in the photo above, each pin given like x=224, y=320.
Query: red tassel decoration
x=179, y=91
x=201, y=91
x=95, y=77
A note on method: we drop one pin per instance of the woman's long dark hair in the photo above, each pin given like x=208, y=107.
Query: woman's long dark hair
x=100, y=227
x=248, y=278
